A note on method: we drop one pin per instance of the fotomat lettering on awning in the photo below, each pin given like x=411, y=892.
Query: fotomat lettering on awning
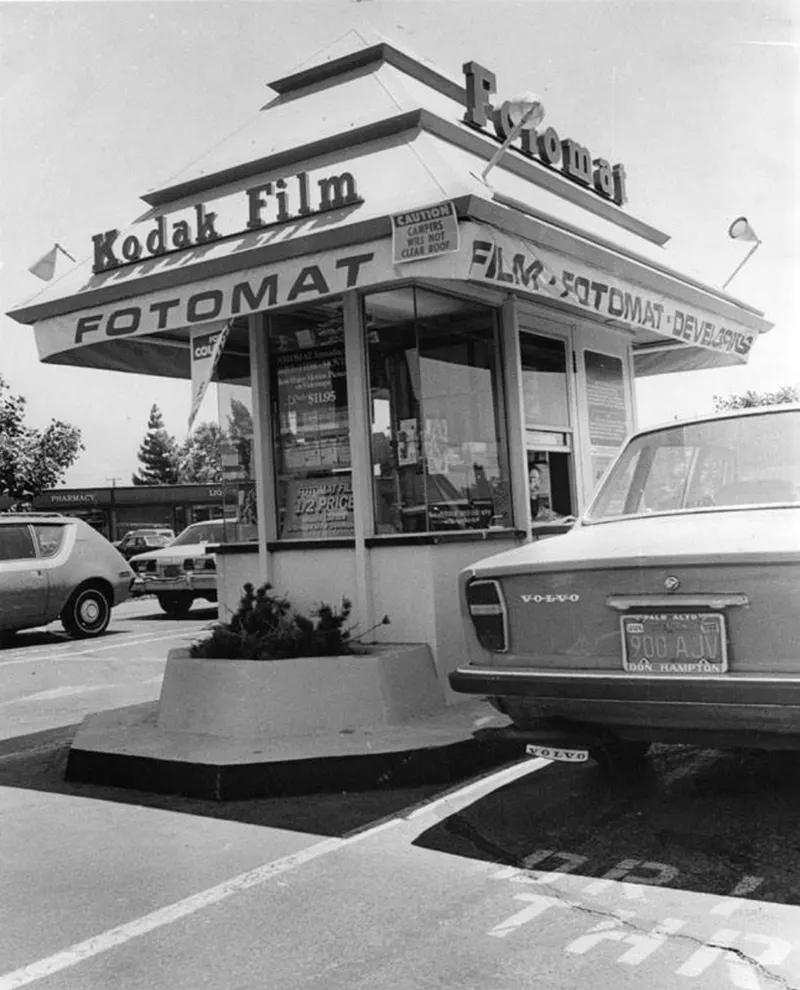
x=517, y=264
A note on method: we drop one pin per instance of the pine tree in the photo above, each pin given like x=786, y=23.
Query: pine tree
x=199, y=457
x=158, y=454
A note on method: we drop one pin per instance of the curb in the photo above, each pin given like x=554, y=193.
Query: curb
x=445, y=764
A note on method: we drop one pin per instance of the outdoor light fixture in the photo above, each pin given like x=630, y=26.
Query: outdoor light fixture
x=740, y=230
x=520, y=113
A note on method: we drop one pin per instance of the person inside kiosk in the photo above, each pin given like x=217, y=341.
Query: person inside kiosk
x=548, y=489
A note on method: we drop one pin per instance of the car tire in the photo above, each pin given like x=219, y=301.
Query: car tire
x=176, y=605
x=621, y=756
x=87, y=613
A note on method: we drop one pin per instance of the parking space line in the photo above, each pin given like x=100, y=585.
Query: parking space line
x=175, y=912
x=452, y=801
x=138, y=640
x=68, y=690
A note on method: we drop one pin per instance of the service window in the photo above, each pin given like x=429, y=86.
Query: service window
x=438, y=434
x=16, y=542
x=548, y=427
x=311, y=423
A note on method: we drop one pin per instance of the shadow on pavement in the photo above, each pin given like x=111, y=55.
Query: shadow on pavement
x=690, y=819
x=196, y=614
x=37, y=762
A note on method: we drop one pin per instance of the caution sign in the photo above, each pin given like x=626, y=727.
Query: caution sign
x=424, y=233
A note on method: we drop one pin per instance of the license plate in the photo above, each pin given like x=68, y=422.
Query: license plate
x=172, y=571
x=561, y=755
x=674, y=643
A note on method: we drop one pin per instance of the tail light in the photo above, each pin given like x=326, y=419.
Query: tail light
x=487, y=610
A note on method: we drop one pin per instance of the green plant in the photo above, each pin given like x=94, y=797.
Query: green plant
x=266, y=627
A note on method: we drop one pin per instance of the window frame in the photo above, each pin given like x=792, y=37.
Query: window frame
x=495, y=312
x=28, y=527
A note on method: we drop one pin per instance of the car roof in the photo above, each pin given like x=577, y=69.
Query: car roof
x=779, y=407
x=17, y=517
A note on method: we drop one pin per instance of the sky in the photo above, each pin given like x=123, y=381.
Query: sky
x=100, y=102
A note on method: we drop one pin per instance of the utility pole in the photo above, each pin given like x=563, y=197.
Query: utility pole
x=113, y=508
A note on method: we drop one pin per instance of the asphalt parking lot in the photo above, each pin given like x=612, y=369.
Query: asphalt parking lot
x=686, y=874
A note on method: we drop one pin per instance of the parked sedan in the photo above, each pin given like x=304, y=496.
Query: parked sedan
x=179, y=573
x=54, y=566
x=670, y=612
x=137, y=541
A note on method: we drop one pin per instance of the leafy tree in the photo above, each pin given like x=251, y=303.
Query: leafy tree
x=750, y=399
x=199, y=457
x=240, y=431
x=32, y=460
x=158, y=454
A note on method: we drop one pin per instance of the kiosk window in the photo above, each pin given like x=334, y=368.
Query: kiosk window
x=548, y=430
x=438, y=443
x=311, y=441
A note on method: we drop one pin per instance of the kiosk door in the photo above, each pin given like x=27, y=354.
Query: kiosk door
x=606, y=401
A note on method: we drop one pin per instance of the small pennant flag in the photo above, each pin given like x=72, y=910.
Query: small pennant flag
x=206, y=347
x=45, y=267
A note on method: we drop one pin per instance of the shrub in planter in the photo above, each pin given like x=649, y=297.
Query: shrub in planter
x=266, y=627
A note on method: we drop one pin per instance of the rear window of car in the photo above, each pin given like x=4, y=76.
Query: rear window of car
x=16, y=542
x=50, y=538
x=216, y=531
x=724, y=463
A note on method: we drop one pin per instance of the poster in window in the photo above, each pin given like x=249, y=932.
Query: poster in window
x=407, y=451
x=605, y=398
x=312, y=401
x=318, y=508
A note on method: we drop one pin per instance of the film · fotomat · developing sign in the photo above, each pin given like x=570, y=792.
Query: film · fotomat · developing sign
x=508, y=261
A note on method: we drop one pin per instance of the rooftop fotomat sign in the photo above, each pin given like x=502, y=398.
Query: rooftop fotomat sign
x=573, y=159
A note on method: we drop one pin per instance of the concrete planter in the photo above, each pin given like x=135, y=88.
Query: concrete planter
x=246, y=699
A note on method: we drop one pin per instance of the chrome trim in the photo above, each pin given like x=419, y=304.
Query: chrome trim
x=525, y=673
x=716, y=601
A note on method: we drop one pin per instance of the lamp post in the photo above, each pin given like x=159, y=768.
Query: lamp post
x=524, y=113
x=741, y=230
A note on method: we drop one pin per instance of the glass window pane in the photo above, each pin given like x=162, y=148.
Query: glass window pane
x=16, y=543
x=312, y=445
x=438, y=451
x=50, y=538
x=605, y=398
x=544, y=380
x=715, y=464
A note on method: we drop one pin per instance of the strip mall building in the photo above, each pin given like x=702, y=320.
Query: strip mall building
x=415, y=338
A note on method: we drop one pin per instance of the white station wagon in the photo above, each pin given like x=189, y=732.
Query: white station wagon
x=182, y=571
x=669, y=613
